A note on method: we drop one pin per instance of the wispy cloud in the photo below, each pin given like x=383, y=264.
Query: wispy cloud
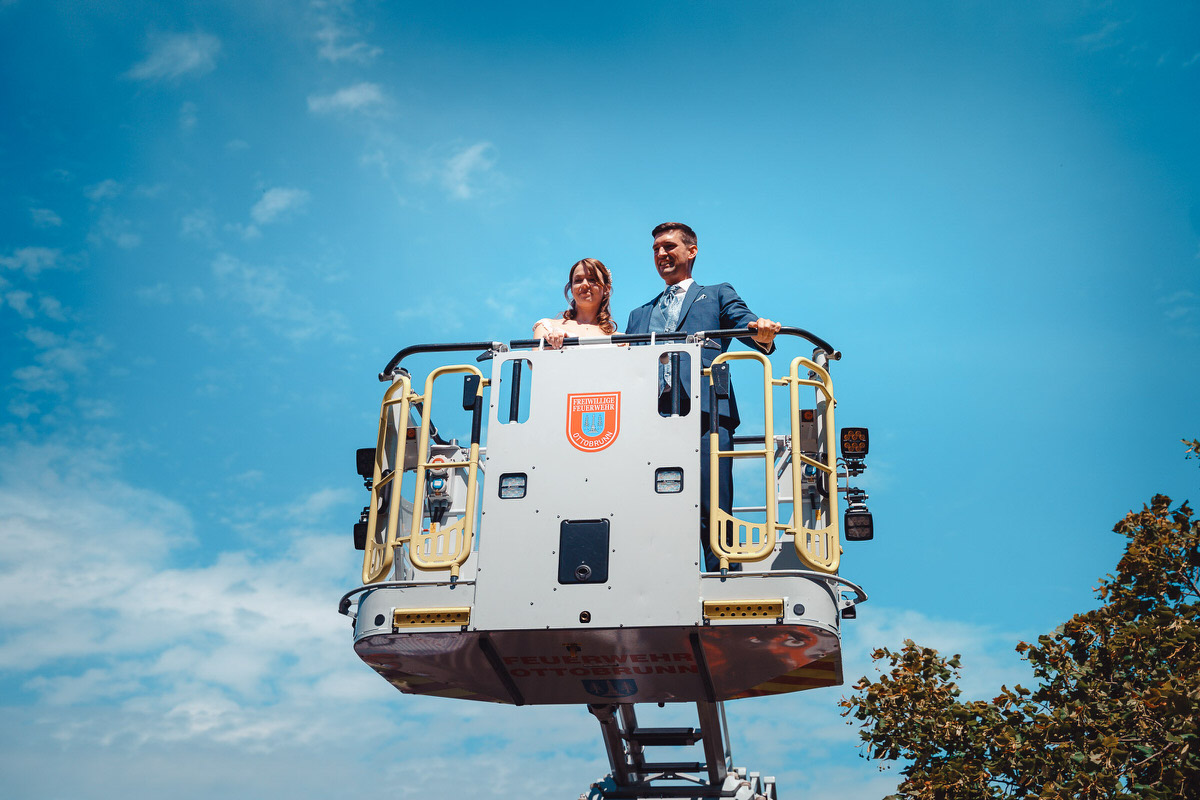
x=277, y=202
x=199, y=224
x=508, y=297
x=342, y=43
x=32, y=260
x=429, y=310
x=225, y=665
x=58, y=360
x=18, y=301
x=188, y=116
x=266, y=294
x=989, y=656
x=173, y=56
x=52, y=308
x=45, y=218
x=352, y=98
x=104, y=190
x=1182, y=309
x=159, y=294
x=221, y=666
x=464, y=170
x=116, y=229
x=321, y=501
x=1103, y=37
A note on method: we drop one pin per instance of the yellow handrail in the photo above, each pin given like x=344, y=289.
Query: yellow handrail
x=731, y=538
x=443, y=548
x=818, y=548
x=378, y=556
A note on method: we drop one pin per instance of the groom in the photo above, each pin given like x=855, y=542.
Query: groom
x=686, y=306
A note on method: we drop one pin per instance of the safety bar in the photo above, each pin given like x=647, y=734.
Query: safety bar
x=378, y=556
x=736, y=540
x=731, y=538
x=818, y=548
x=389, y=372
x=393, y=366
x=438, y=547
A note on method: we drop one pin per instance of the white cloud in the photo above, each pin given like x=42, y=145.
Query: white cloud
x=1182, y=310
x=150, y=190
x=58, y=361
x=173, y=56
x=266, y=293
x=428, y=309
x=245, y=232
x=115, y=229
x=32, y=260
x=343, y=44
x=104, y=190
x=187, y=116
x=277, y=202
x=92, y=408
x=45, y=218
x=1103, y=37
x=988, y=654
x=52, y=308
x=158, y=294
x=198, y=224
x=352, y=98
x=18, y=301
x=230, y=674
x=22, y=408
x=321, y=501
x=464, y=169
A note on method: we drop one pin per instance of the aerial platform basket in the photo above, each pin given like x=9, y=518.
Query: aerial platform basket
x=559, y=561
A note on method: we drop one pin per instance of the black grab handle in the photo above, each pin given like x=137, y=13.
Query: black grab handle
x=617, y=338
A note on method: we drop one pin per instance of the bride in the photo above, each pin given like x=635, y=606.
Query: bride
x=588, y=289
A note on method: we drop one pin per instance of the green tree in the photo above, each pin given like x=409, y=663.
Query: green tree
x=1116, y=708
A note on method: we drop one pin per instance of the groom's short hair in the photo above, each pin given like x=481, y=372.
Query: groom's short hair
x=689, y=235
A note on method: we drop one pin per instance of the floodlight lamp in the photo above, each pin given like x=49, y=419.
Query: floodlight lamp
x=360, y=530
x=364, y=458
x=855, y=443
x=858, y=524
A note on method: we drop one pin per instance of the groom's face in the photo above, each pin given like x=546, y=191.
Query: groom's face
x=672, y=258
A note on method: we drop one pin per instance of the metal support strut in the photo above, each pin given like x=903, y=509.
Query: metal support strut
x=634, y=776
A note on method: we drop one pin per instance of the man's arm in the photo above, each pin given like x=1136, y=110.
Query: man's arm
x=629, y=325
x=736, y=314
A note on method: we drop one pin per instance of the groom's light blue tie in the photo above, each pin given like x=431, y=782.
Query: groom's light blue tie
x=663, y=319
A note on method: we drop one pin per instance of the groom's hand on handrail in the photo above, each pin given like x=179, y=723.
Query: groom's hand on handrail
x=765, y=330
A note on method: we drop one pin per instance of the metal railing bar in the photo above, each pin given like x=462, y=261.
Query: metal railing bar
x=617, y=338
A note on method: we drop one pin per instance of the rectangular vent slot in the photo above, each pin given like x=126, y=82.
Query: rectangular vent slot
x=743, y=609
x=423, y=617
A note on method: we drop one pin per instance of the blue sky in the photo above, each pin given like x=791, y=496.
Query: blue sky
x=219, y=220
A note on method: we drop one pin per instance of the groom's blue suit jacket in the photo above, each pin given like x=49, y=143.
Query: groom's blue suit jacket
x=706, y=308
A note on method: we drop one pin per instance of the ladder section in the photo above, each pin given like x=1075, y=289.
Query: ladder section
x=636, y=775
x=439, y=548
x=383, y=538
x=736, y=540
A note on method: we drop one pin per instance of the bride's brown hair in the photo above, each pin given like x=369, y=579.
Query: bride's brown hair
x=597, y=272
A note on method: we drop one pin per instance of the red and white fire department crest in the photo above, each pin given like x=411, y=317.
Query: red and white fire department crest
x=593, y=420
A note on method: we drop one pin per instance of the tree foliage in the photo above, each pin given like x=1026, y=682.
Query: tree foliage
x=1115, y=712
